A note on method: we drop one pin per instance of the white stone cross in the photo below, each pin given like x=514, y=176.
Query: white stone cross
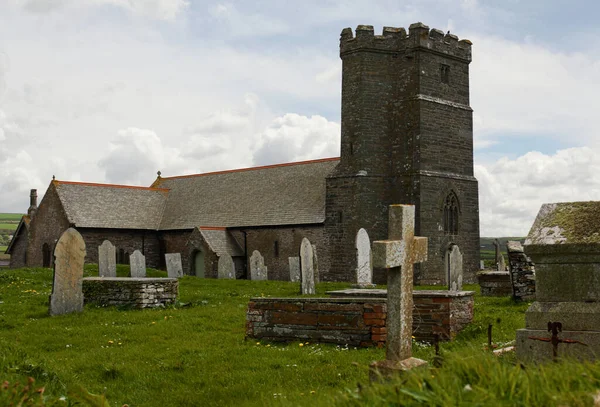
x=398, y=255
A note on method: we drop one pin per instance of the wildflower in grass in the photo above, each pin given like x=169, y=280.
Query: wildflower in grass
x=111, y=342
x=120, y=343
x=258, y=343
x=153, y=322
x=268, y=345
x=312, y=392
x=301, y=344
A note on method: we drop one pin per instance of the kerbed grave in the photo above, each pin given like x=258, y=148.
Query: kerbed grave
x=364, y=317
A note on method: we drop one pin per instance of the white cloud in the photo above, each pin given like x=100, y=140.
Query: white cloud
x=528, y=89
x=293, y=137
x=157, y=9
x=135, y=155
x=238, y=23
x=512, y=191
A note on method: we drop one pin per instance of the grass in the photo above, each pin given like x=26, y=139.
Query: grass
x=195, y=354
x=9, y=226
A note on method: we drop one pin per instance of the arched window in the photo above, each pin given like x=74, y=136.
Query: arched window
x=451, y=214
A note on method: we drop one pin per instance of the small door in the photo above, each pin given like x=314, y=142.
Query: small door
x=46, y=255
x=199, y=264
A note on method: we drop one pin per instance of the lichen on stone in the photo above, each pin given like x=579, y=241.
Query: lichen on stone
x=566, y=223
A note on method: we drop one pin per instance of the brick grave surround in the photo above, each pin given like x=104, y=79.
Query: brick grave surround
x=133, y=292
x=495, y=283
x=356, y=321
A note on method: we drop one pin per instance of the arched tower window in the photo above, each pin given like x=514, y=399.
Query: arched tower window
x=451, y=214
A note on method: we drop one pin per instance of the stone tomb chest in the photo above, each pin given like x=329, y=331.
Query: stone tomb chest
x=564, y=244
x=135, y=292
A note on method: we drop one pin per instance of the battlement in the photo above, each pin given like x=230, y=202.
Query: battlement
x=395, y=40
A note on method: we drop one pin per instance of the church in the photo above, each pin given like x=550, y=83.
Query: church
x=406, y=138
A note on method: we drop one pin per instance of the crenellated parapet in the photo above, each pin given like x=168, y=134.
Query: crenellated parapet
x=398, y=40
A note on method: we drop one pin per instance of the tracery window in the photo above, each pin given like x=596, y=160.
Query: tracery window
x=451, y=214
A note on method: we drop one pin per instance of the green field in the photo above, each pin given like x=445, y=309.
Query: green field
x=10, y=217
x=195, y=354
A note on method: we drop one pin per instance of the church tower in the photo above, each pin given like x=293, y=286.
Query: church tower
x=407, y=138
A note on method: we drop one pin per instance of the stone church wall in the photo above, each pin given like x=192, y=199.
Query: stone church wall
x=46, y=226
x=277, y=244
x=146, y=241
x=18, y=256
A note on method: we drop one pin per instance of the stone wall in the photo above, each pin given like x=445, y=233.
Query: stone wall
x=494, y=283
x=146, y=241
x=354, y=321
x=522, y=272
x=406, y=138
x=18, y=254
x=46, y=227
x=130, y=292
x=277, y=244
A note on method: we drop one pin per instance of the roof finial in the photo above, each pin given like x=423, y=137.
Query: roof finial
x=53, y=178
x=158, y=173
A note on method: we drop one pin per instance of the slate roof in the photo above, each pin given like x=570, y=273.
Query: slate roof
x=285, y=194
x=111, y=206
x=221, y=242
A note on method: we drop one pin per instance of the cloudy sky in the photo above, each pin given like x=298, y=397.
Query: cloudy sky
x=114, y=90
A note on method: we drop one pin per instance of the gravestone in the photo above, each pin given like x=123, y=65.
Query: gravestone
x=364, y=267
x=69, y=255
x=455, y=269
x=258, y=270
x=315, y=263
x=481, y=265
x=294, y=263
x=107, y=260
x=398, y=255
x=501, y=263
x=226, y=267
x=174, y=268
x=307, y=267
x=564, y=321
x=137, y=263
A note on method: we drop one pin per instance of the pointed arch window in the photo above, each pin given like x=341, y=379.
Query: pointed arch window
x=451, y=214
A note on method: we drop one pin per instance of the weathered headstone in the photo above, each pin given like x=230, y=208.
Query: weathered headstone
x=455, y=269
x=500, y=262
x=258, y=270
x=398, y=255
x=137, y=263
x=107, y=260
x=307, y=267
x=564, y=321
x=364, y=267
x=522, y=272
x=226, y=267
x=69, y=255
x=174, y=267
x=315, y=263
x=481, y=265
x=294, y=263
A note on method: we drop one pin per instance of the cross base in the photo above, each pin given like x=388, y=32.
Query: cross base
x=388, y=369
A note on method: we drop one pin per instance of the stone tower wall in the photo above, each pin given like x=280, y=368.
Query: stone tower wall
x=407, y=137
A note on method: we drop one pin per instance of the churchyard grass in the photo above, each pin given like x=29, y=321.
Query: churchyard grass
x=194, y=353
